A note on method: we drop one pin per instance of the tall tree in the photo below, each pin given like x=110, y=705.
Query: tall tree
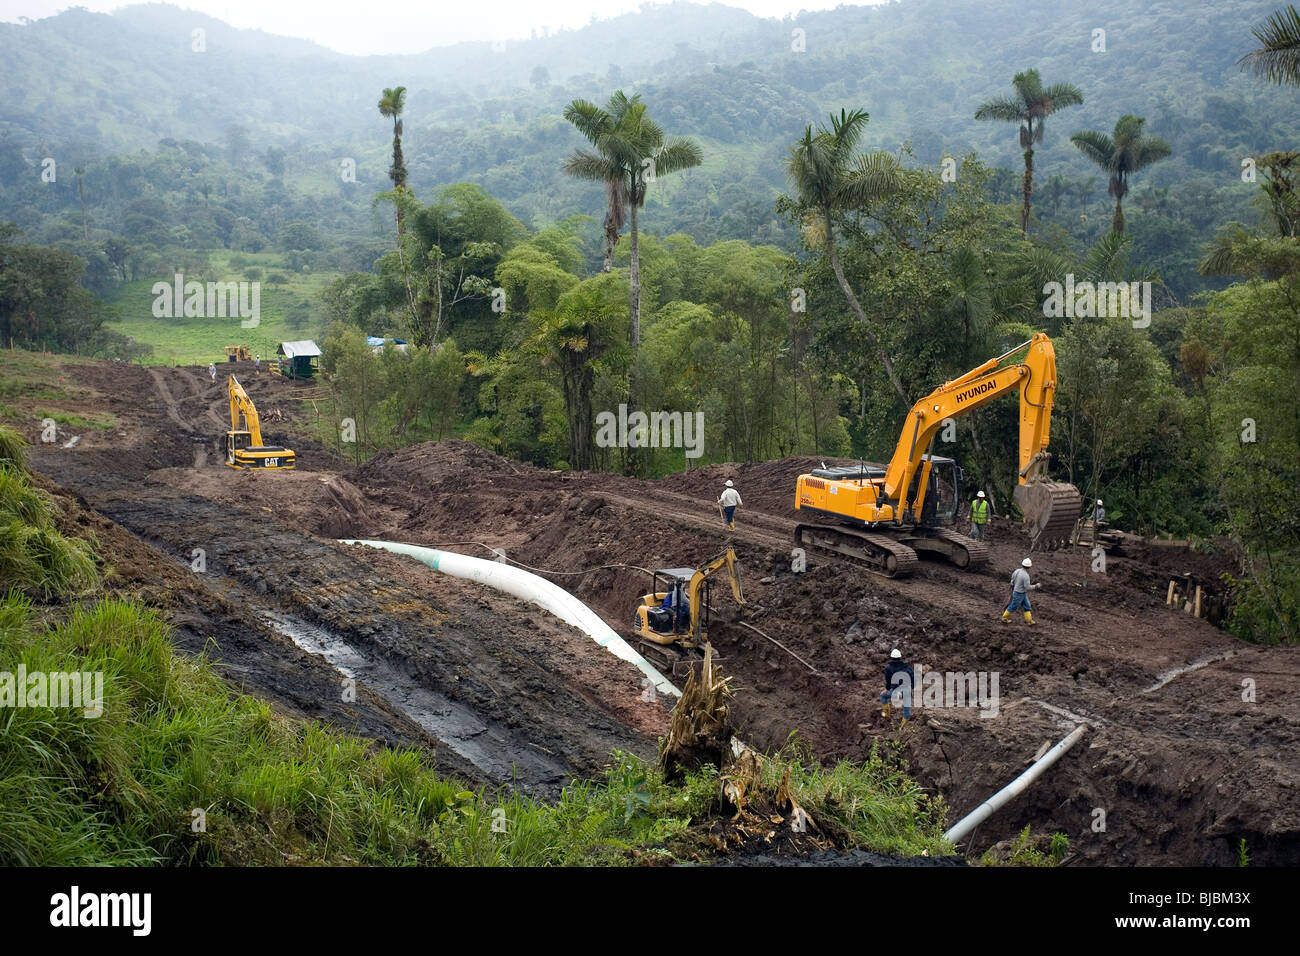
x=631, y=151
x=1278, y=56
x=1031, y=105
x=829, y=179
x=391, y=104
x=1125, y=152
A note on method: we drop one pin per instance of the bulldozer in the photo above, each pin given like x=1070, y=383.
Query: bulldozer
x=238, y=353
x=676, y=610
x=244, y=448
x=886, y=516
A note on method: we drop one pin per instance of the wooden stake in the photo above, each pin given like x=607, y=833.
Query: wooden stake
x=1169, y=598
x=1197, y=611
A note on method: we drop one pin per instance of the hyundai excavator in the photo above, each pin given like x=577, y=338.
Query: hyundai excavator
x=676, y=611
x=244, y=448
x=885, y=516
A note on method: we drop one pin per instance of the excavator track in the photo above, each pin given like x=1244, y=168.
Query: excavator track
x=879, y=553
x=976, y=551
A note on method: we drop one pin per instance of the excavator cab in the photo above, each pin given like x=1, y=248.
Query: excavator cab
x=667, y=608
x=942, y=478
x=677, y=608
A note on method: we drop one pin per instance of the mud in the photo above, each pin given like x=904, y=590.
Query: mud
x=1193, y=742
x=489, y=687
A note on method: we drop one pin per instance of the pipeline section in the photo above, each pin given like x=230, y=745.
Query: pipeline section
x=528, y=586
x=966, y=824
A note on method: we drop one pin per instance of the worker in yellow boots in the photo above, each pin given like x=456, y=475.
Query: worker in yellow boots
x=1020, y=588
x=729, y=499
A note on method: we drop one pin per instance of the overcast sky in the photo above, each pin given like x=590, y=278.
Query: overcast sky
x=402, y=26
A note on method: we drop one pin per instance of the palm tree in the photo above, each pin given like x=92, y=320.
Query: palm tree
x=828, y=178
x=1278, y=58
x=391, y=103
x=1031, y=105
x=1121, y=154
x=630, y=152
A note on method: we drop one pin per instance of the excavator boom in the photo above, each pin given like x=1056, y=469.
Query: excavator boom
x=241, y=406
x=1034, y=377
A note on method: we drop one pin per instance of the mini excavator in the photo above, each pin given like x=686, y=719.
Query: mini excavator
x=244, y=448
x=676, y=611
x=885, y=516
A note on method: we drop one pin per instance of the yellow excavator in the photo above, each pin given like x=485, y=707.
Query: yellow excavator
x=676, y=611
x=244, y=448
x=885, y=516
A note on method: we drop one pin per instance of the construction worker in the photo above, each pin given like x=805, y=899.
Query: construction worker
x=1020, y=588
x=898, y=683
x=257, y=363
x=677, y=602
x=979, y=515
x=729, y=500
x=212, y=370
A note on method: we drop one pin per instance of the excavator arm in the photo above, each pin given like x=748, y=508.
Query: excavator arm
x=242, y=405
x=695, y=589
x=1047, y=506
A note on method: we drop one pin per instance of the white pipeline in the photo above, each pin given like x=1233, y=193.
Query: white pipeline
x=986, y=809
x=539, y=591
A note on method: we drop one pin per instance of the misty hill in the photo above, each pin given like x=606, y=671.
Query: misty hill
x=279, y=114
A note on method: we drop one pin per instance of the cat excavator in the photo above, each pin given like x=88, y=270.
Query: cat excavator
x=244, y=448
x=885, y=516
x=676, y=611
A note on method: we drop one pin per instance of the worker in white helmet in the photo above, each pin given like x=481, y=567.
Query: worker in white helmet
x=1098, y=519
x=729, y=500
x=899, y=677
x=1020, y=588
x=979, y=515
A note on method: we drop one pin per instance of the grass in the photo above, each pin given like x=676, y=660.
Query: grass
x=32, y=379
x=34, y=557
x=288, y=312
x=179, y=771
x=1026, y=850
x=97, y=423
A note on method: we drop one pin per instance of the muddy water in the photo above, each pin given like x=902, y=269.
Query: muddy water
x=451, y=723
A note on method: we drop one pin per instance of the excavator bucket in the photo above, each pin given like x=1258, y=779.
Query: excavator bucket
x=1051, y=509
